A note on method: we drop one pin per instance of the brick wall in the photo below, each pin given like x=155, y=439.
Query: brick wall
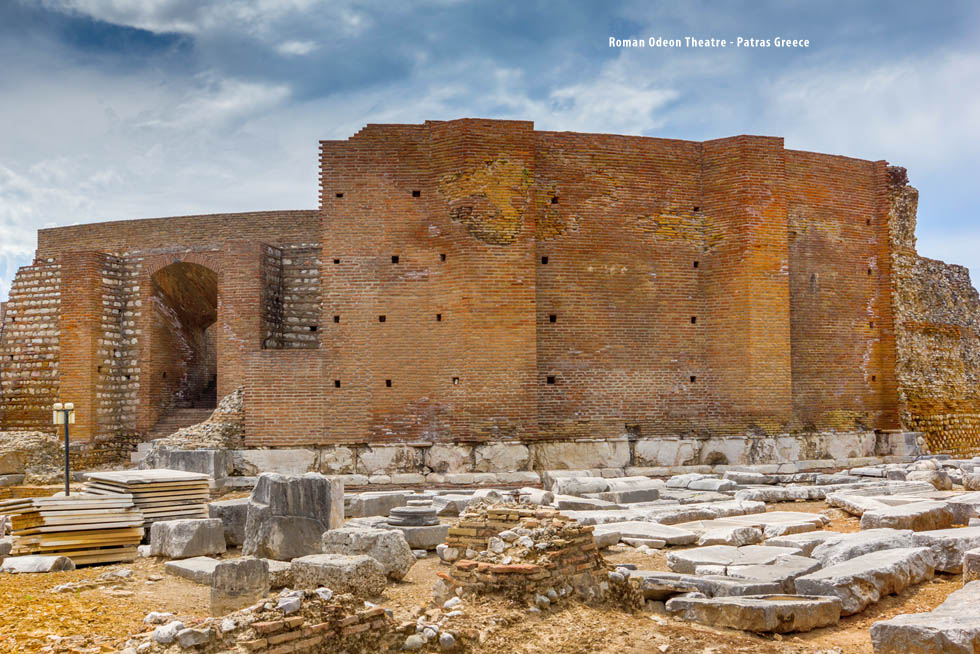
x=475, y=279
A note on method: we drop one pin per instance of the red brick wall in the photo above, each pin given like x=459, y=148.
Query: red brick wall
x=771, y=330
x=843, y=361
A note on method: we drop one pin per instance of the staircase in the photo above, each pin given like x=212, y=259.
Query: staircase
x=178, y=418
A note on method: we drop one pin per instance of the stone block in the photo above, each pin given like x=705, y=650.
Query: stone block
x=735, y=536
x=238, y=583
x=948, y=546
x=953, y=627
x=667, y=452
x=287, y=515
x=357, y=574
x=849, y=546
x=197, y=569
x=363, y=505
x=785, y=570
x=651, y=584
x=290, y=461
x=446, y=457
x=918, y=516
x=386, y=459
x=971, y=565
x=280, y=574
x=760, y=613
x=557, y=455
x=233, y=514
x=501, y=457
x=214, y=463
x=722, y=556
x=183, y=539
x=863, y=580
x=450, y=505
x=36, y=563
x=648, y=530
x=805, y=541
x=337, y=460
x=387, y=546
x=426, y=537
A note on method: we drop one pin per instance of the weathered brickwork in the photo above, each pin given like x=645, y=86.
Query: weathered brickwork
x=478, y=280
x=937, y=317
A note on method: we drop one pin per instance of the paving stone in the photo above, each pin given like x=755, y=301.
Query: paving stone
x=684, y=480
x=781, y=523
x=919, y=516
x=197, y=569
x=805, y=541
x=651, y=543
x=688, y=561
x=848, y=546
x=965, y=506
x=746, y=477
x=630, y=496
x=948, y=546
x=953, y=627
x=785, y=570
x=648, y=530
x=854, y=504
x=657, y=583
x=737, y=535
x=862, y=581
x=760, y=613
x=716, y=485
x=575, y=503
x=357, y=574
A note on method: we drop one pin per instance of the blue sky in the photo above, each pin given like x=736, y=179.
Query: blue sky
x=115, y=109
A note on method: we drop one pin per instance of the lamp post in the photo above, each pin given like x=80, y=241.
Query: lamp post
x=64, y=414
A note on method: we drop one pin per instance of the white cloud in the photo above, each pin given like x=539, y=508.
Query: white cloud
x=296, y=48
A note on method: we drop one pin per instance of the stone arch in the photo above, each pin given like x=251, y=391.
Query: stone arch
x=183, y=357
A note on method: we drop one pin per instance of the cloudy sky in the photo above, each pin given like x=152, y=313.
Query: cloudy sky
x=115, y=109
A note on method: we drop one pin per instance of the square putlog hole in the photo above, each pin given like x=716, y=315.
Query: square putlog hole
x=336, y=383
x=416, y=194
x=544, y=261
x=382, y=318
x=552, y=318
x=394, y=258
x=551, y=379
x=388, y=383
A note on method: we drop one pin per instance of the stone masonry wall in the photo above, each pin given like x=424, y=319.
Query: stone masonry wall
x=937, y=315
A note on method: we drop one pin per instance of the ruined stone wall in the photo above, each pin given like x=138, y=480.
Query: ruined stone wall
x=937, y=317
x=29, y=347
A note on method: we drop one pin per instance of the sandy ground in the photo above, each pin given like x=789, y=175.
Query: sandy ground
x=101, y=618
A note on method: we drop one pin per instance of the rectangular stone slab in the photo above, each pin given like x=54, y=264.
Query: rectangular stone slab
x=761, y=614
x=722, y=556
x=197, y=569
x=953, y=627
x=710, y=585
x=649, y=530
x=948, y=546
x=848, y=546
x=917, y=516
x=862, y=581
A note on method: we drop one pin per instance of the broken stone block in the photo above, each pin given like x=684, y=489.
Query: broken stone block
x=232, y=514
x=785, y=570
x=748, y=478
x=938, y=478
x=844, y=547
x=197, y=569
x=648, y=530
x=863, y=580
x=450, y=505
x=854, y=504
x=280, y=574
x=760, y=613
x=806, y=541
x=715, y=485
x=183, y=539
x=953, y=627
x=661, y=585
x=736, y=536
x=287, y=515
x=238, y=583
x=722, y=556
x=971, y=566
x=781, y=523
x=918, y=516
x=357, y=574
x=685, y=480
x=579, y=485
x=36, y=563
x=387, y=546
x=948, y=546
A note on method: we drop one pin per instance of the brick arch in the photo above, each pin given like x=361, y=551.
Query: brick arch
x=212, y=260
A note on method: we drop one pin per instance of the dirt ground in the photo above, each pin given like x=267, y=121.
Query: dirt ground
x=35, y=619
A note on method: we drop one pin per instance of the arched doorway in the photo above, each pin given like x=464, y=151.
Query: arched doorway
x=184, y=355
